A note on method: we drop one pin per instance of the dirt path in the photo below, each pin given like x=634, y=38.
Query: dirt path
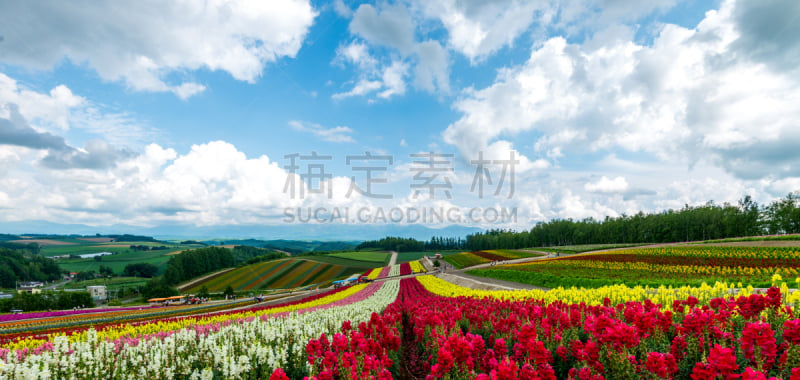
x=483, y=283
x=393, y=260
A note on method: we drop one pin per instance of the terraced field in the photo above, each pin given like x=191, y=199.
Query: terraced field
x=277, y=274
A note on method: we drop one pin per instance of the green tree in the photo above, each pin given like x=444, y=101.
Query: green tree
x=158, y=288
x=203, y=293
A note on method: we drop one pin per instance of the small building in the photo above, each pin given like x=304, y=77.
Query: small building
x=73, y=274
x=98, y=292
x=58, y=257
x=31, y=284
x=6, y=295
x=30, y=289
x=437, y=256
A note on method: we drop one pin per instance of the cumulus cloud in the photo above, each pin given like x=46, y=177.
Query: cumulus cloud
x=61, y=110
x=15, y=131
x=478, y=29
x=141, y=43
x=606, y=185
x=335, y=134
x=688, y=97
x=97, y=154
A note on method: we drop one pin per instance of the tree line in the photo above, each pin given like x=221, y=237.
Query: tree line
x=197, y=262
x=46, y=301
x=22, y=265
x=706, y=222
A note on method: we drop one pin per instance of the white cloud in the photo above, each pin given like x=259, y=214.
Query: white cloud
x=433, y=70
x=606, y=185
x=60, y=110
x=477, y=29
x=394, y=80
x=688, y=97
x=335, y=134
x=342, y=9
x=363, y=87
x=141, y=43
x=54, y=109
x=390, y=26
x=355, y=53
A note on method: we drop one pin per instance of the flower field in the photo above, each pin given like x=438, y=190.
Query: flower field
x=395, y=270
x=277, y=274
x=468, y=259
x=675, y=266
x=425, y=327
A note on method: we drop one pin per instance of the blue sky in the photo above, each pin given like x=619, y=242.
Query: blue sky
x=152, y=113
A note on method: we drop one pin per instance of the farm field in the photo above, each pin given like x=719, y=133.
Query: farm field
x=671, y=266
x=276, y=274
x=468, y=259
x=374, y=257
x=572, y=249
x=426, y=327
x=111, y=283
x=117, y=261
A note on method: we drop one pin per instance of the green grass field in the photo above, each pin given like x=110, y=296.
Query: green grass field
x=406, y=257
x=376, y=257
x=112, y=283
x=116, y=262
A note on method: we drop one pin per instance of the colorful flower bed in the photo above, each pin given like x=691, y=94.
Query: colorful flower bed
x=423, y=335
x=425, y=327
x=61, y=313
x=233, y=345
x=277, y=274
x=656, y=266
x=416, y=267
x=468, y=259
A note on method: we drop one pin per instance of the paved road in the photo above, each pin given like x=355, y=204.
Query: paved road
x=57, y=284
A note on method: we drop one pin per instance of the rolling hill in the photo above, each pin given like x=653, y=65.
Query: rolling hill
x=277, y=274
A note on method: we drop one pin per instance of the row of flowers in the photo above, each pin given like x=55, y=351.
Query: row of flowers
x=116, y=329
x=241, y=346
x=395, y=270
x=61, y=313
x=13, y=330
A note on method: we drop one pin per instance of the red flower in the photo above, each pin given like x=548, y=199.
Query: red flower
x=278, y=374
x=791, y=331
x=758, y=343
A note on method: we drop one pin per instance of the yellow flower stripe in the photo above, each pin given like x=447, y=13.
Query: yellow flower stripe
x=712, y=252
x=417, y=267
x=373, y=274
x=134, y=331
x=666, y=269
x=616, y=293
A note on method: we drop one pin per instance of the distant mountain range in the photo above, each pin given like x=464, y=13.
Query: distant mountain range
x=321, y=232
